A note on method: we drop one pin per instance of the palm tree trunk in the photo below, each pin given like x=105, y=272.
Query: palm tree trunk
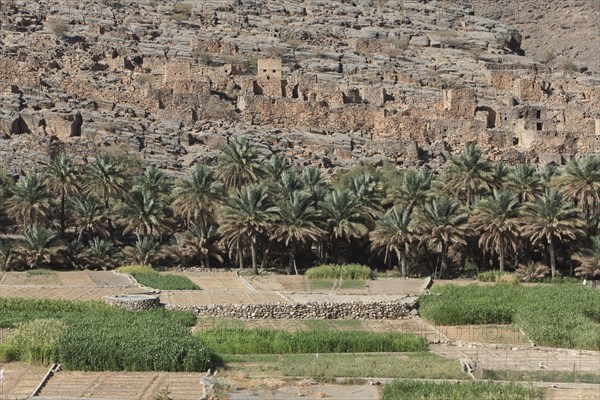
x=293, y=258
x=207, y=261
x=552, y=255
x=501, y=254
x=239, y=255
x=253, y=253
x=62, y=213
x=402, y=260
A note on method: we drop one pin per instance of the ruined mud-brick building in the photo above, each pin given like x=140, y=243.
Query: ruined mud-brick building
x=324, y=83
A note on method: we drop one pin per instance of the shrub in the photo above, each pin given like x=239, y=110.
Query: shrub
x=264, y=341
x=333, y=271
x=33, y=342
x=58, y=27
x=497, y=276
x=468, y=390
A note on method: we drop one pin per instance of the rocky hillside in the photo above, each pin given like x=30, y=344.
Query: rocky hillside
x=557, y=32
x=326, y=82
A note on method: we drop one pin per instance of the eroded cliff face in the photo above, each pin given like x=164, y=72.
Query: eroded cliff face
x=325, y=82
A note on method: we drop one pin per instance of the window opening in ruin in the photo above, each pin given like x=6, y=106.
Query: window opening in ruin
x=515, y=141
x=539, y=126
x=538, y=114
x=274, y=71
x=295, y=92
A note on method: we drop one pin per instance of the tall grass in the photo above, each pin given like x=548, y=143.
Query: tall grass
x=266, y=341
x=33, y=342
x=469, y=390
x=564, y=315
x=334, y=271
x=125, y=341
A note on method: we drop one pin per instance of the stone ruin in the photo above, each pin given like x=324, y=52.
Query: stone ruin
x=349, y=83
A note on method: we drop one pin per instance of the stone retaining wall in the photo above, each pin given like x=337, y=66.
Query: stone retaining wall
x=358, y=310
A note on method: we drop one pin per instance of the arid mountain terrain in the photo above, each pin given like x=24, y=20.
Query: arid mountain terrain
x=327, y=83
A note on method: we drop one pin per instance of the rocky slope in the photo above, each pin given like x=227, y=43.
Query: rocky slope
x=324, y=82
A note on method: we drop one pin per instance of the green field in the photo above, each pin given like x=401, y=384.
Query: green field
x=267, y=341
x=152, y=278
x=92, y=336
x=565, y=315
x=411, y=390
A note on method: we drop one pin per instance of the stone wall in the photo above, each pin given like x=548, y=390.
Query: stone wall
x=133, y=302
x=374, y=310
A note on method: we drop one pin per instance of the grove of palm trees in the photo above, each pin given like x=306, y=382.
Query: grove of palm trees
x=266, y=213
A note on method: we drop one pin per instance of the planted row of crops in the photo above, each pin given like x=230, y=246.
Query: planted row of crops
x=267, y=341
x=335, y=271
x=565, y=315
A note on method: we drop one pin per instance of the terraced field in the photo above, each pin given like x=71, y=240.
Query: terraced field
x=125, y=386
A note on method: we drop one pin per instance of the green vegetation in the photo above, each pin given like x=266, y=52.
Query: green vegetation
x=542, y=376
x=345, y=272
x=267, y=214
x=125, y=341
x=42, y=271
x=264, y=341
x=325, y=366
x=93, y=336
x=147, y=276
x=551, y=315
x=498, y=277
x=33, y=342
x=412, y=390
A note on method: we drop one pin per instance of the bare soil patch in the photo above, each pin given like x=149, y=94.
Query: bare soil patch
x=20, y=380
x=123, y=385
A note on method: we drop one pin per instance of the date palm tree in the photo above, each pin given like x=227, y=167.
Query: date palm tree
x=343, y=218
x=89, y=217
x=100, y=253
x=393, y=233
x=589, y=256
x=246, y=216
x=143, y=251
x=105, y=179
x=38, y=245
x=238, y=164
x=580, y=183
x=296, y=224
x=286, y=184
x=7, y=255
x=196, y=196
x=441, y=225
x=31, y=202
x=202, y=241
x=495, y=219
x=468, y=174
x=62, y=178
x=154, y=181
x=144, y=214
x=367, y=190
x=314, y=183
x=413, y=189
x=552, y=220
x=525, y=182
